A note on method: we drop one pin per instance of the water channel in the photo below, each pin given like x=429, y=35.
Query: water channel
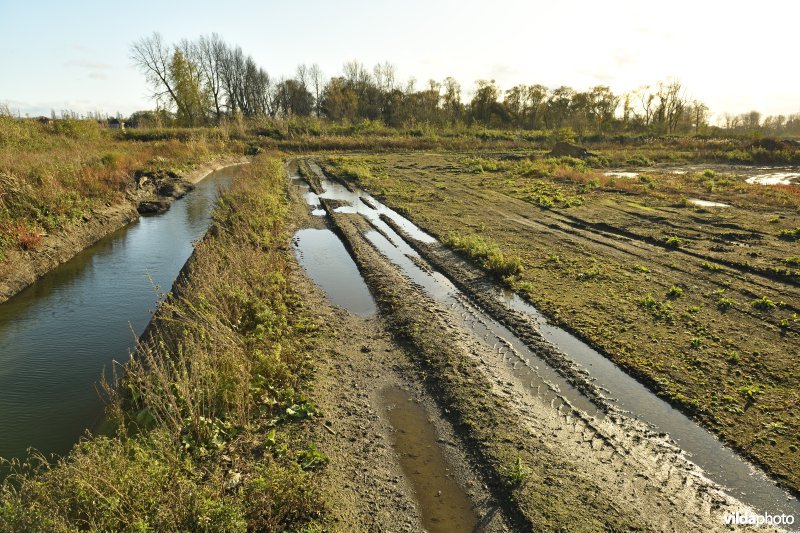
x=57, y=335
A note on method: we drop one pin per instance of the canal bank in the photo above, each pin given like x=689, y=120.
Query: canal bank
x=59, y=334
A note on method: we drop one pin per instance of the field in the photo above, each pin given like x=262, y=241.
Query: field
x=700, y=303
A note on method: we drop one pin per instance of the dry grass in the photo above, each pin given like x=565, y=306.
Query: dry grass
x=51, y=176
x=208, y=412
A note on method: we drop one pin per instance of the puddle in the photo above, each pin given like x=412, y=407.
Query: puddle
x=775, y=178
x=527, y=367
x=444, y=506
x=706, y=203
x=720, y=464
x=323, y=256
x=370, y=208
x=622, y=174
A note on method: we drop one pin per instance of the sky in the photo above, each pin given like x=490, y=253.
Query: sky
x=733, y=56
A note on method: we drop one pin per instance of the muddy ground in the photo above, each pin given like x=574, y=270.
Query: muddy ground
x=701, y=304
x=524, y=463
x=146, y=194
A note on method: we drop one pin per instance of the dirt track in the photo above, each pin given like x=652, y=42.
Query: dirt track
x=579, y=471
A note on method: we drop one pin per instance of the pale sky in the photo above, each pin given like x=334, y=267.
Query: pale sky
x=734, y=56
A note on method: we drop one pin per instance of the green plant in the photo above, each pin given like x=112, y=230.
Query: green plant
x=494, y=260
x=710, y=266
x=723, y=304
x=517, y=473
x=789, y=234
x=673, y=242
x=763, y=304
x=675, y=292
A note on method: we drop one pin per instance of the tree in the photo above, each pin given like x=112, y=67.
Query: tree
x=153, y=58
x=339, y=100
x=671, y=105
x=293, y=98
x=451, y=100
x=190, y=98
x=484, y=104
x=210, y=54
x=699, y=114
x=558, y=107
x=317, y=84
x=602, y=105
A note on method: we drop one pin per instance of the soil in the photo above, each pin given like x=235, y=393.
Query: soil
x=156, y=194
x=708, y=320
x=526, y=464
x=357, y=360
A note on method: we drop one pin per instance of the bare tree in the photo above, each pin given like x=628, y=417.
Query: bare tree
x=153, y=58
x=210, y=57
x=317, y=83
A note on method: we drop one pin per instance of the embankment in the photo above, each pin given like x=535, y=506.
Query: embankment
x=144, y=194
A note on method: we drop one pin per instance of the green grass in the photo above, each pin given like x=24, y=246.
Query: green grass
x=500, y=264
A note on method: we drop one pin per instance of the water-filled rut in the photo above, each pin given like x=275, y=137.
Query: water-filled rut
x=58, y=335
x=624, y=394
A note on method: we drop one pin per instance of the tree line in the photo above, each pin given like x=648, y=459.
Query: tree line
x=208, y=80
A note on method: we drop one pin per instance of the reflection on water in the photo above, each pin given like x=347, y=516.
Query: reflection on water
x=58, y=335
x=327, y=262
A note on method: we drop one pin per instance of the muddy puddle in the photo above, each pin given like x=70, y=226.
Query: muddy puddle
x=621, y=174
x=326, y=261
x=444, y=506
x=775, y=178
x=706, y=203
x=719, y=463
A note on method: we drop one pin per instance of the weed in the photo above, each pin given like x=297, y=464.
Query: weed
x=763, y=304
x=675, y=292
x=494, y=260
x=723, y=304
x=789, y=234
x=517, y=473
x=710, y=266
x=673, y=242
x=659, y=310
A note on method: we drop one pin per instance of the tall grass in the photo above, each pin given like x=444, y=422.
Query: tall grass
x=54, y=175
x=207, y=410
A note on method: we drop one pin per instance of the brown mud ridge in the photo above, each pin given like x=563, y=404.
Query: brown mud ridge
x=524, y=462
x=147, y=193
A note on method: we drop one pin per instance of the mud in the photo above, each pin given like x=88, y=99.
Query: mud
x=577, y=470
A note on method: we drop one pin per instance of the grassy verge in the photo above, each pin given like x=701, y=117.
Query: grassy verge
x=210, y=414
